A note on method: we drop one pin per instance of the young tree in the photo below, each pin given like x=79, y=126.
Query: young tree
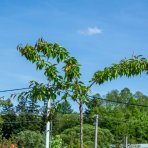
x=63, y=74
x=61, y=70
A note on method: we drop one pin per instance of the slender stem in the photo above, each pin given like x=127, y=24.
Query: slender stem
x=91, y=84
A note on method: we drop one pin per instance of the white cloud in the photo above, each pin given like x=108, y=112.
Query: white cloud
x=91, y=31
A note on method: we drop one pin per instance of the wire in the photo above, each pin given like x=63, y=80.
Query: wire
x=120, y=102
x=23, y=113
x=19, y=122
x=16, y=89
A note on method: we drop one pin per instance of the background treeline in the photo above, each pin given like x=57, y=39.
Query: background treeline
x=120, y=114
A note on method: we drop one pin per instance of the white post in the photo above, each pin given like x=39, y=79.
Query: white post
x=126, y=139
x=48, y=126
x=96, y=132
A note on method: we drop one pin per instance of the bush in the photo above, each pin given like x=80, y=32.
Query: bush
x=30, y=139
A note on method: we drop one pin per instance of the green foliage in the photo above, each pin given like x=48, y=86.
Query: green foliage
x=1, y=119
x=47, y=56
x=127, y=67
x=15, y=119
x=63, y=76
x=70, y=137
x=56, y=142
x=64, y=121
x=28, y=110
x=65, y=108
x=30, y=139
x=121, y=119
x=7, y=115
x=4, y=142
x=61, y=70
x=6, y=106
x=7, y=127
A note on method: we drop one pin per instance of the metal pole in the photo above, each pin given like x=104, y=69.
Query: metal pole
x=50, y=134
x=96, y=132
x=126, y=139
x=48, y=126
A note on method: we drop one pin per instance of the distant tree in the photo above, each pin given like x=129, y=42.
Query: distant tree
x=128, y=120
x=143, y=100
x=65, y=108
x=4, y=142
x=22, y=105
x=64, y=121
x=6, y=106
x=28, y=112
x=112, y=97
x=8, y=116
x=70, y=137
x=30, y=139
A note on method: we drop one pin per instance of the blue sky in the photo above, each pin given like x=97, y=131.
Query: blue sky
x=97, y=32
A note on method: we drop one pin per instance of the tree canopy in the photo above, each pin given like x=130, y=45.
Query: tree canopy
x=126, y=67
x=63, y=75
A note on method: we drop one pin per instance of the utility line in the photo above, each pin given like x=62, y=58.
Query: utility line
x=120, y=102
x=22, y=113
x=19, y=122
x=16, y=89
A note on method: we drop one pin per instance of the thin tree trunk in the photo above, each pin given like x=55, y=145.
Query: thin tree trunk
x=81, y=124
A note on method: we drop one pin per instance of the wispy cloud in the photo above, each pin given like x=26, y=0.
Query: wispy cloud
x=90, y=31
